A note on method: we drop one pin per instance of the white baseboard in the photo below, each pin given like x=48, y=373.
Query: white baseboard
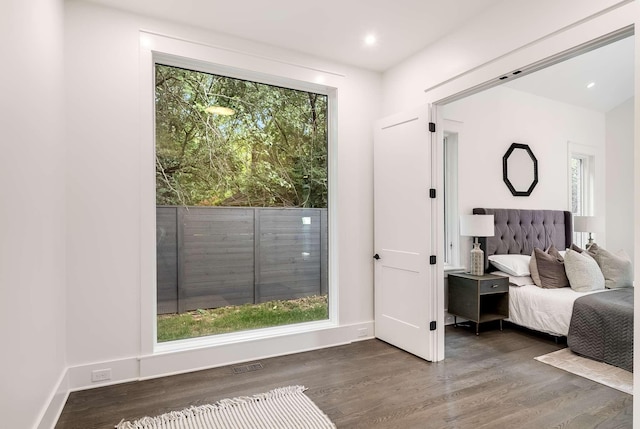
x=78, y=377
x=58, y=397
x=176, y=362
x=122, y=371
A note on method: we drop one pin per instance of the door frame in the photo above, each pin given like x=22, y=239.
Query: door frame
x=593, y=32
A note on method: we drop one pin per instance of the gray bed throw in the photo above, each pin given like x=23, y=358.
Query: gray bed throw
x=602, y=327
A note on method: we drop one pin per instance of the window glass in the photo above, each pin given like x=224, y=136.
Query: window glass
x=581, y=189
x=241, y=204
x=577, y=180
x=451, y=237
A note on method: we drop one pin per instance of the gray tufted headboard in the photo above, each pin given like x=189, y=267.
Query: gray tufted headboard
x=520, y=231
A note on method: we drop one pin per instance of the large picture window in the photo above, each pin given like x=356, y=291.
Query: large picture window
x=241, y=204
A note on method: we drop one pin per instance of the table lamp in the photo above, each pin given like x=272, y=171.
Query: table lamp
x=588, y=224
x=477, y=226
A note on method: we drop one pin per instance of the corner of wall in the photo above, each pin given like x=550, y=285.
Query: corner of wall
x=57, y=399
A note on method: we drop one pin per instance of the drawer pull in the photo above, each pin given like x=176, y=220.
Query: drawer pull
x=495, y=286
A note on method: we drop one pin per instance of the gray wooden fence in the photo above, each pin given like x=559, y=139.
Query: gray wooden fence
x=209, y=257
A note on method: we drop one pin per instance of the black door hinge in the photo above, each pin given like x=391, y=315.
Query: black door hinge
x=432, y=259
x=432, y=127
x=432, y=193
x=432, y=326
x=376, y=256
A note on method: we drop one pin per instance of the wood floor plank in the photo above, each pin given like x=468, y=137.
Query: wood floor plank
x=486, y=381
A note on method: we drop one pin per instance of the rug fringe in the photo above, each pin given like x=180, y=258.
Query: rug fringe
x=194, y=411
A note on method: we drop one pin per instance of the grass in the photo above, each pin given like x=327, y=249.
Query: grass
x=222, y=320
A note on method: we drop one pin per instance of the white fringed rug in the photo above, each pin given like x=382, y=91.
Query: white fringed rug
x=285, y=407
x=600, y=372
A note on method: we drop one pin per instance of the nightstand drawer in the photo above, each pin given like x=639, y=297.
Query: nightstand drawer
x=494, y=285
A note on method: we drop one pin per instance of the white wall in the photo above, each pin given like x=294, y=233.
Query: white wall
x=495, y=118
x=619, y=187
x=110, y=172
x=32, y=192
x=501, y=30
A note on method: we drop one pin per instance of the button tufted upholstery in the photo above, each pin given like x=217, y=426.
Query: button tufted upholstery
x=520, y=231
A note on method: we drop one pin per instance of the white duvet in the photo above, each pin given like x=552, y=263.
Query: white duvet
x=545, y=310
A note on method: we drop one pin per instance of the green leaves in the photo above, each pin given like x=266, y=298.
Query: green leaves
x=271, y=152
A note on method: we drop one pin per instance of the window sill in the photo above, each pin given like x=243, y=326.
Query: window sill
x=243, y=336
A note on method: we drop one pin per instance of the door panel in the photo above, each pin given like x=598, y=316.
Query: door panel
x=402, y=208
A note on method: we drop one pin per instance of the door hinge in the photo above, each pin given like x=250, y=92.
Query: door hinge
x=376, y=256
x=432, y=326
x=432, y=259
x=432, y=127
x=432, y=193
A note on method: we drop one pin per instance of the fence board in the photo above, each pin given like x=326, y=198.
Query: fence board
x=287, y=246
x=231, y=256
x=324, y=252
x=167, y=264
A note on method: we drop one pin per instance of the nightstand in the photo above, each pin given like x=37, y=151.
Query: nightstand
x=478, y=298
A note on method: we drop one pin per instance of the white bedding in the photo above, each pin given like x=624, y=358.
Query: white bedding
x=545, y=310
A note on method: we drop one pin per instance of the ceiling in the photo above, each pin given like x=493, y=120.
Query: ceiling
x=335, y=30
x=330, y=29
x=610, y=68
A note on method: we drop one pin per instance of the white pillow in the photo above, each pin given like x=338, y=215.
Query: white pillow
x=515, y=281
x=515, y=265
x=616, y=268
x=583, y=272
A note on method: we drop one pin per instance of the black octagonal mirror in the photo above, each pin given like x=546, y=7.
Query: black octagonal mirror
x=520, y=170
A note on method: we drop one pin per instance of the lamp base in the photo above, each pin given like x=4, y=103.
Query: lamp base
x=477, y=260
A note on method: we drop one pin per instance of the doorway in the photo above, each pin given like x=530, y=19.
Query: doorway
x=501, y=112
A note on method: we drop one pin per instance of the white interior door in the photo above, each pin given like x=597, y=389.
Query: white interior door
x=402, y=210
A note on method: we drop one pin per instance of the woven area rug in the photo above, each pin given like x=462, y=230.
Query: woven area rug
x=285, y=407
x=600, y=372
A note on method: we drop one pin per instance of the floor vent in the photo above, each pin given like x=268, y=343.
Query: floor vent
x=247, y=368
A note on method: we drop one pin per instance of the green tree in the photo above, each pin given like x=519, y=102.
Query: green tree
x=272, y=152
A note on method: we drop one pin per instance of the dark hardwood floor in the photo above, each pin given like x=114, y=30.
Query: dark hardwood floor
x=486, y=381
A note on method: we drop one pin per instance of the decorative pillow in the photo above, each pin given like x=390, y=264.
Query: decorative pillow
x=515, y=265
x=616, y=268
x=547, y=269
x=591, y=250
x=583, y=272
x=576, y=248
x=515, y=281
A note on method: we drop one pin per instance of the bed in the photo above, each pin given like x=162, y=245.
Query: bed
x=601, y=328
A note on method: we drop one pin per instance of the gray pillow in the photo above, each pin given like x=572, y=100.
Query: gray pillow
x=616, y=267
x=547, y=269
x=583, y=272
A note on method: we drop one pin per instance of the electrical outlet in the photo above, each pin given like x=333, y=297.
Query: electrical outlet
x=101, y=375
x=362, y=332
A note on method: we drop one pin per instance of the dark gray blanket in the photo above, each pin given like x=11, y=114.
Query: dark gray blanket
x=602, y=327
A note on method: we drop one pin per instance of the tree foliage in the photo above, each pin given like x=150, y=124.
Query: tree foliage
x=272, y=152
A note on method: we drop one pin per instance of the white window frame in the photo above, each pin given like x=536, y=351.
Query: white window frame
x=452, y=135
x=155, y=48
x=587, y=154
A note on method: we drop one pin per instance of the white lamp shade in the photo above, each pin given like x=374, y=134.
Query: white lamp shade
x=586, y=224
x=477, y=226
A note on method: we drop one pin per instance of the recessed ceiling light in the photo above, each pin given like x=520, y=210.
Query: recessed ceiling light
x=591, y=84
x=370, y=39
